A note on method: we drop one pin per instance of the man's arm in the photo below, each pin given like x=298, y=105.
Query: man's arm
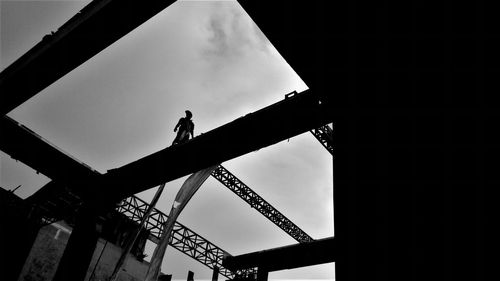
x=178, y=124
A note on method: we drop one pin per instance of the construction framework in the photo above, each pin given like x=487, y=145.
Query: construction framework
x=28, y=75
x=399, y=102
x=183, y=239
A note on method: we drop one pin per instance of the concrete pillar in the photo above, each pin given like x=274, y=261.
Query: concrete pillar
x=80, y=248
x=17, y=235
x=190, y=276
x=262, y=274
x=215, y=275
x=165, y=277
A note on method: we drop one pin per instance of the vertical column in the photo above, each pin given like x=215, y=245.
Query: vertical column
x=262, y=274
x=17, y=235
x=343, y=203
x=190, y=276
x=215, y=275
x=80, y=248
x=164, y=277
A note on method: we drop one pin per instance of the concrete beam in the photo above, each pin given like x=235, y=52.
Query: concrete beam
x=59, y=53
x=277, y=122
x=80, y=248
x=287, y=118
x=95, y=27
x=26, y=146
x=292, y=256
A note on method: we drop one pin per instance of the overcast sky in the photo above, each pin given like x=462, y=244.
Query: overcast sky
x=122, y=104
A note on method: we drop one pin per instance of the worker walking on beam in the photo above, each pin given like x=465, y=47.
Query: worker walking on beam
x=186, y=127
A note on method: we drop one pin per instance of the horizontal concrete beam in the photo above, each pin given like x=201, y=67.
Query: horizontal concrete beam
x=280, y=121
x=26, y=146
x=285, y=119
x=292, y=256
x=95, y=27
x=60, y=52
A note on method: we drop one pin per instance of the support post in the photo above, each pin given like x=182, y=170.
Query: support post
x=17, y=234
x=80, y=248
x=262, y=274
x=166, y=277
x=215, y=275
x=190, y=276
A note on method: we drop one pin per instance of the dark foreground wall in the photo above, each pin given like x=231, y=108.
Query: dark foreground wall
x=48, y=248
x=412, y=167
x=17, y=234
x=413, y=87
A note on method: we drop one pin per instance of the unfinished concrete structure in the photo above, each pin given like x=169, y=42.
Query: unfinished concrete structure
x=401, y=162
x=48, y=248
x=73, y=180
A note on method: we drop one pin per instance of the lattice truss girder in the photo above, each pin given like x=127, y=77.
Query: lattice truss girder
x=183, y=239
x=242, y=190
x=324, y=135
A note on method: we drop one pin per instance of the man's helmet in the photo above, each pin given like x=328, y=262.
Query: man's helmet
x=188, y=113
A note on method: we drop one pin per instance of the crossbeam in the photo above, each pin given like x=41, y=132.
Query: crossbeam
x=34, y=151
x=287, y=257
x=277, y=122
x=91, y=30
x=265, y=127
x=258, y=203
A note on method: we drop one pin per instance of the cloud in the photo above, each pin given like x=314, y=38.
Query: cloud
x=218, y=37
x=231, y=34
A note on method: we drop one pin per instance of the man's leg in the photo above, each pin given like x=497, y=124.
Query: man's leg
x=176, y=140
x=184, y=137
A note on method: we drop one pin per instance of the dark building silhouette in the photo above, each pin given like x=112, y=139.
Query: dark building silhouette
x=412, y=92
x=165, y=277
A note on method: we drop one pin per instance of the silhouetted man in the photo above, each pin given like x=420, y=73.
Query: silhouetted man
x=186, y=127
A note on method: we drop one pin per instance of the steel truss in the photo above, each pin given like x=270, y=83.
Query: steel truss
x=183, y=238
x=261, y=205
x=324, y=135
